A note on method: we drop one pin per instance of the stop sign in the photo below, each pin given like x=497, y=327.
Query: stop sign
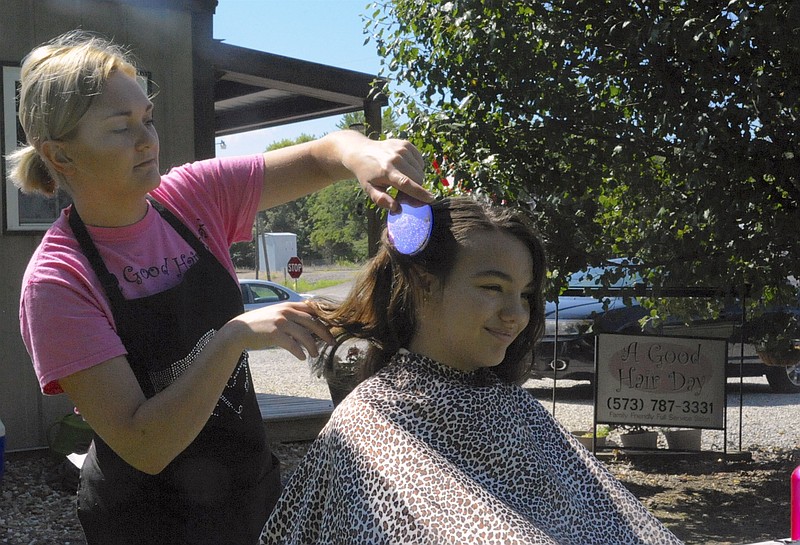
x=295, y=267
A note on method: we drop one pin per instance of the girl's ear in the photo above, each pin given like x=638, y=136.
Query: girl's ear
x=424, y=283
x=427, y=281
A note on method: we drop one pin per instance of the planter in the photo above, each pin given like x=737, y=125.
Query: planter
x=69, y=434
x=585, y=438
x=643, y=440
x=340, y=385
x=343, y=368
x=782, y=358
x=683, y=439
x=339, y=392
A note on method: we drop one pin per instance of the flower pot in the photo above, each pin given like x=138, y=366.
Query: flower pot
x=585, y=438
x=339, y=392
x=683, y=439
x=780, y=358
x=69, y=434
x=343, y=369
x=645, y=439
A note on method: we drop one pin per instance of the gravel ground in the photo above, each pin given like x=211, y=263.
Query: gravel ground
x=36, y=508
x=770, y=420
x=700, y=501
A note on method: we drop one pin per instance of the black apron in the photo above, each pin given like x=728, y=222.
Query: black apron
x=222, y=487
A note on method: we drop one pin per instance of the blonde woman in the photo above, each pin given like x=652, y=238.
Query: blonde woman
x=130, y=304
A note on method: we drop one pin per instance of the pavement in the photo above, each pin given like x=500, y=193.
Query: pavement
x=276, y=371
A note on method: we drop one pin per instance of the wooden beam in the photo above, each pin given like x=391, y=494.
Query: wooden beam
x=293, y=418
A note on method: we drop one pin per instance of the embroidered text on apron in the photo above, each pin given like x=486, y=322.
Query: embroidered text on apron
x=222, y=487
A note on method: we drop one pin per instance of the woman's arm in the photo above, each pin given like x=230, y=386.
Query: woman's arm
x=298, y=170
x=149, y=433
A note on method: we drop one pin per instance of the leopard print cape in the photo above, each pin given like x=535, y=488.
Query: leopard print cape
x=423, y=453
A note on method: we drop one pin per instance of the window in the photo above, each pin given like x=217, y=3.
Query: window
x=22, y=212
x=267, y=294
x=28, y=212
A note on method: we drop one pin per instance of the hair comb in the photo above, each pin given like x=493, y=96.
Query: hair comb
x=409, y=230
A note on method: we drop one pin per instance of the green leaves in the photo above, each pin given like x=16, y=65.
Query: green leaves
x=666, y=131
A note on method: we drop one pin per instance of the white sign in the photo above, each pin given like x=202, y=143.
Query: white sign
x=277, y=248
x=661, y=381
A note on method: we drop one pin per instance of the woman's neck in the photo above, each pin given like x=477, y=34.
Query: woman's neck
x=98, y=214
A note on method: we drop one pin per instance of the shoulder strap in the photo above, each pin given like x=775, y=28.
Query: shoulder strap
x=107, y=280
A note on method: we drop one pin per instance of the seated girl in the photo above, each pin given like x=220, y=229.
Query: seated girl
x=440, y=444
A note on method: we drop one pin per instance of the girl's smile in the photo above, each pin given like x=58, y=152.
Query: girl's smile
x=470, y=321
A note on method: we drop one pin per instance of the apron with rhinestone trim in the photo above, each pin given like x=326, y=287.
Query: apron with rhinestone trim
x=222, y=487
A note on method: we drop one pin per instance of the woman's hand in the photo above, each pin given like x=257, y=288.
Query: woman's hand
x=381, y=164
x=291, y=326
x=148, y=433
x=298, y=170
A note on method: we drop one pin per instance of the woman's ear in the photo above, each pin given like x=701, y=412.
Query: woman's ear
x=54, y=154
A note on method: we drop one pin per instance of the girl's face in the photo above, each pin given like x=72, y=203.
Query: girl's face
x=470, y=321
x=113, y=157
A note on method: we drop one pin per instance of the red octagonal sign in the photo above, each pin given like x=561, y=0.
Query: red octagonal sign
x=295, y=267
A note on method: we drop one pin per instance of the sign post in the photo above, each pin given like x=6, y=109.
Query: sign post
x=295, y=268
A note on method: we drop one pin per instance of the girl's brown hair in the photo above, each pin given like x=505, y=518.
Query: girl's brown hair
x=382, y=306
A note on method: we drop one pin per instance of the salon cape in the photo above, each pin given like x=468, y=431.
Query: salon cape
x=423, y=453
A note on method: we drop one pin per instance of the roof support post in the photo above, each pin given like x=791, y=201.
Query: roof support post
x=373, y=130
x=203, y=84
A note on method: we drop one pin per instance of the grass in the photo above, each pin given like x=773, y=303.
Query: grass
x=314, y=279
x=306, y=286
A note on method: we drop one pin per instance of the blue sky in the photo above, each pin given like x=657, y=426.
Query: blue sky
x=324, y=31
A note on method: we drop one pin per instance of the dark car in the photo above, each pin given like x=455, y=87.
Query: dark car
x=567, y=348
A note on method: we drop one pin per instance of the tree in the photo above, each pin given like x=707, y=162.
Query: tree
x=355, y=120
x=330, y=224
x=340, y=227
x=243, y=254
x=290, y=217
x=665, y=131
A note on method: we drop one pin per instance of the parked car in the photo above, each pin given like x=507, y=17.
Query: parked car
x=261, y=293
x=567, y=348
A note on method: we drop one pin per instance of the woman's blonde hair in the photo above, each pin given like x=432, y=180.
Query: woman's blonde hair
x=58, y=82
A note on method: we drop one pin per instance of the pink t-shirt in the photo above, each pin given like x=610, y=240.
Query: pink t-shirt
x=65, y=318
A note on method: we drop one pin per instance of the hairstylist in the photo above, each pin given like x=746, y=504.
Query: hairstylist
x=130, y=304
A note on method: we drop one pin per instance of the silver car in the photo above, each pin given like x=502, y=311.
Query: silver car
x=262, y=293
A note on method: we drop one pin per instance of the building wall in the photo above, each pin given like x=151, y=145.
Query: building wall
x=161, y=39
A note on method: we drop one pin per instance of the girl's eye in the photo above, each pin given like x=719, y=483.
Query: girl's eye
x=492, y=287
